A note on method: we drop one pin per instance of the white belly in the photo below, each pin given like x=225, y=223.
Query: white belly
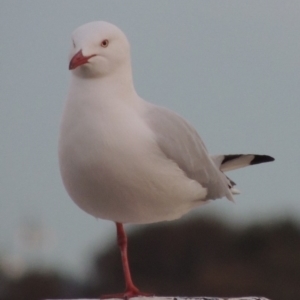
x=114, y=170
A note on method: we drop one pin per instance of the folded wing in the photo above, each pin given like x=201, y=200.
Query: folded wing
x=180, y=142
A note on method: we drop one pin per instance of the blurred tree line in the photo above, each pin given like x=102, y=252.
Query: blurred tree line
x=191, y=258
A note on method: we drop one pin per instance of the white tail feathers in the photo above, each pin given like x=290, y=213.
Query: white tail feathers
x=236, y=161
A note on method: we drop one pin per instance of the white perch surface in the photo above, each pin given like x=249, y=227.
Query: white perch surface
x=185, y=298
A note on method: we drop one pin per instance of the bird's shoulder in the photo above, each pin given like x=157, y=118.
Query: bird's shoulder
x=177, y=139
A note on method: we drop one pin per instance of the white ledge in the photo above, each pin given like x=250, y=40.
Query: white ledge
x=184, y=298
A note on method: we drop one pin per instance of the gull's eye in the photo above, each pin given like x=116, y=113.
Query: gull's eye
x=104, y=43
x=73, y=44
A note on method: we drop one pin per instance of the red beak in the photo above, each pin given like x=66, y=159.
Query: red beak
x=78, y=60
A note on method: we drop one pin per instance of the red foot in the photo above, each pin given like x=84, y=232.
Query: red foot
x=130, y=293
x=131, y=290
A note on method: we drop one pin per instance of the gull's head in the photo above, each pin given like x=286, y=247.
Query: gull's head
x=98, y=49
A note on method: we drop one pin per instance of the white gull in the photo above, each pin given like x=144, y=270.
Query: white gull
x=123, y=158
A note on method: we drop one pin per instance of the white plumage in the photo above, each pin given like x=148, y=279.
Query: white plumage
x=122, y=158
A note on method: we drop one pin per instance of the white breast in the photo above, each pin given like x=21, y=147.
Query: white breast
x=113, y=169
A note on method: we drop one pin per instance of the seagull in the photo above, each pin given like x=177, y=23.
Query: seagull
x=125, y=159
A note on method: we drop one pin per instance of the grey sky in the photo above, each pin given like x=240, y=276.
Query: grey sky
x=230, y=67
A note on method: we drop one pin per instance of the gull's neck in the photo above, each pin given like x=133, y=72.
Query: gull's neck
x=117, y=85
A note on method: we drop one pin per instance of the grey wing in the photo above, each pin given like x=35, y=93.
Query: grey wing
x=180, y=142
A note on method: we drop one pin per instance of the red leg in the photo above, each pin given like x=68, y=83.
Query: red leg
x=131, y=290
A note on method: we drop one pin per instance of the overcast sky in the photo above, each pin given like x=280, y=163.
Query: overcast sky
x=230, y=67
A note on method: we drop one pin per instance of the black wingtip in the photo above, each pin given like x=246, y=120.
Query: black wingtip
x=258, y=159
x=229, y=157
